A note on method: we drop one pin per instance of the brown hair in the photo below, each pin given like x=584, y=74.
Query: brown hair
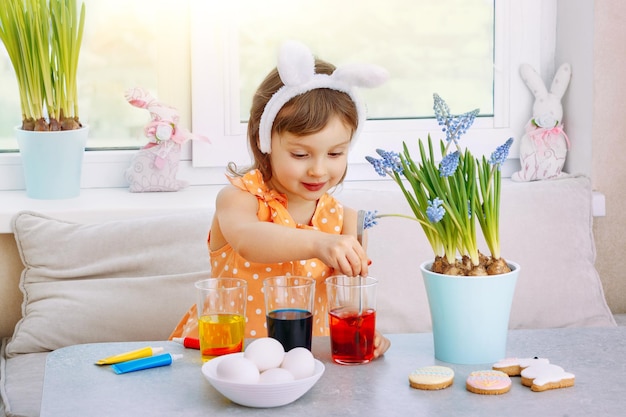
x=305, y=114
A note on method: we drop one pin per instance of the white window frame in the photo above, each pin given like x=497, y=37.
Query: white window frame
x=525, y=31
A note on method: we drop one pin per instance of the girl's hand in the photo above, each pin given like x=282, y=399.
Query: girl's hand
x=343, y=253
x=381, y=344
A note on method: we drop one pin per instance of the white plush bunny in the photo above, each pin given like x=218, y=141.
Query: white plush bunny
x=154, y=167
x=544, y=146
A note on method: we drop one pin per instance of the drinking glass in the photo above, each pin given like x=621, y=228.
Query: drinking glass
x=221, y=316
x=289, y=302
x=352, y=318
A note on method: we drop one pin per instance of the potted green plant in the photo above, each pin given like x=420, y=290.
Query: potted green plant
x=470, y=293
x=43, y=40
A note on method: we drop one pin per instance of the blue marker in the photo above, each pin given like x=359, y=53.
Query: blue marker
x=145, y=363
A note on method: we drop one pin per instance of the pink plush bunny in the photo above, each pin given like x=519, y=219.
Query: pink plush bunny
x=154, y=167
x=544, y=146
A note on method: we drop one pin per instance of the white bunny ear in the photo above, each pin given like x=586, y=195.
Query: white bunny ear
x=296, y=67
x=361, y=75
x=533, y=80
x=139, y=97
x=296, y=64
x=561, y=80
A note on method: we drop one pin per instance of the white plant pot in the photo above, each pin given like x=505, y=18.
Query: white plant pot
x=470, y=315
x=52, y=162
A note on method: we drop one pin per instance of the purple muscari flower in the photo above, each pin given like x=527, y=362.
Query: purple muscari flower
x=442, y=111
x=453, y=126
x=391, y=160
x=434, y=211
x=378, y=165
x=501, y=153
x=449, y=164
x=371, y=219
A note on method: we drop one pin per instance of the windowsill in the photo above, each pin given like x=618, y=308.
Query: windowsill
x=103, y=204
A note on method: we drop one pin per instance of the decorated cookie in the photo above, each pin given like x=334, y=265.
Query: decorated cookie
x=488, y=382
x=546, y=376
x=514, y=366
x=431, y=378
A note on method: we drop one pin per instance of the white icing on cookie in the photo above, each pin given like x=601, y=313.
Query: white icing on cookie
x=526, y=362
x=432, y=375
x=545, y=373
x=521, y=362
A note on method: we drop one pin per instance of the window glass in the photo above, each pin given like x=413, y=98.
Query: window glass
x=207, y=57
x=444, y=47
x=119, y=52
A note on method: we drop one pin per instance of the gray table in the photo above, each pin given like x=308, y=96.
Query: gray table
x=74, y=386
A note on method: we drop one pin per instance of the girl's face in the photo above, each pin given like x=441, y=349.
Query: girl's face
x=305, y=167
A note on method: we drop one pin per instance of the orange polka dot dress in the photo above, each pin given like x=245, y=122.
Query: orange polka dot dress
x=225, y=262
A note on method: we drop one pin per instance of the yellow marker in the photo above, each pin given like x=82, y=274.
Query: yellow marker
x=127, y=356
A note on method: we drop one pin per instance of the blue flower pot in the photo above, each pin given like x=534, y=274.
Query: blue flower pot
x=52, y=162
x=470, y=315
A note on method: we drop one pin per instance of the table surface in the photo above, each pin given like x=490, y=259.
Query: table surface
x=74, y=386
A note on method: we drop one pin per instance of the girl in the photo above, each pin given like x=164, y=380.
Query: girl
x=277, y=217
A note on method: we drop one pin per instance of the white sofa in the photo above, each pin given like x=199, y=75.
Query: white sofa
x=132, y=279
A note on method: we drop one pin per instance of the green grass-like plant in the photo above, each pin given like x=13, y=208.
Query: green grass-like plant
x=449, y=198
x=43, y=40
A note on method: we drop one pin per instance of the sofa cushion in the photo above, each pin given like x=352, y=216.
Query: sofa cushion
x=113, y=281
x=21, y=383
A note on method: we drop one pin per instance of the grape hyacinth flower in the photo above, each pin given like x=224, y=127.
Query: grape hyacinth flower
x=371, y=219
x=378, y=164
x=501, y=153
x=434, y=211
x=448, y=197
x=449, y=164
x=454, y=126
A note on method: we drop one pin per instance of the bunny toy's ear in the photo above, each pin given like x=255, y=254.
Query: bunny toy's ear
x=139, y=97
x=532, y=79
x=561, y=80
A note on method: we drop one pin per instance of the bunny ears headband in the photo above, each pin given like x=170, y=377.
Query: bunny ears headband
x=296, y=67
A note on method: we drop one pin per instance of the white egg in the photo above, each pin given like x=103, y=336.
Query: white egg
x=275, y=376
x=237, y=369
x=265, y=352
x=300, y=362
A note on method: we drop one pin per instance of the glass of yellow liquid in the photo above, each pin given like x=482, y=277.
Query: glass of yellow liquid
x=221, y=316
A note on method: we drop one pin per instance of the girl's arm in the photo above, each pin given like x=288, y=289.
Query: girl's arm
x=349, y=225
x=236, y=222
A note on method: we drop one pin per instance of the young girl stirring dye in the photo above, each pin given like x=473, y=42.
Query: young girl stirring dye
x=277, y=217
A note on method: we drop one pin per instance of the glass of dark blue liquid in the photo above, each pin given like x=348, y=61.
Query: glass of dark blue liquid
x=289, y=302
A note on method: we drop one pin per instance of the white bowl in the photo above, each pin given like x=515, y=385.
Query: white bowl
x=260, y=395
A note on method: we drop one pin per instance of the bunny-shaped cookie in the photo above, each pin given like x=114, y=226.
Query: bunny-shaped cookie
x=154, y=167
x=544, y=146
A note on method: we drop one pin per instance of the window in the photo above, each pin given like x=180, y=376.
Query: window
x=114, y=57
x=449, y=52
x=138, y=43
x=466, y=51
x=204, y=39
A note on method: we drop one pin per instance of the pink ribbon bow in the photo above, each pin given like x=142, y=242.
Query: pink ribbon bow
x=542, y=135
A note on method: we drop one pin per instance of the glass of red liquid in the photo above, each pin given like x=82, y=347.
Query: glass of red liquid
x=289, y=306
x=352, y=318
